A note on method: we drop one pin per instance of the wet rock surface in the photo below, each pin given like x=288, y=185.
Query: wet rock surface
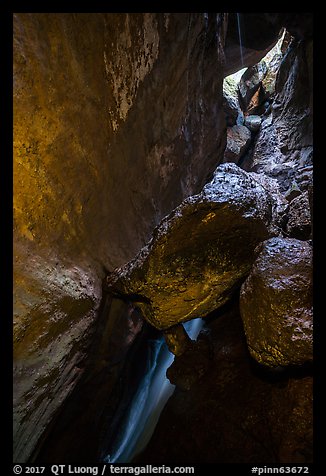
x=230, y=100
x=276, y=303
x=201, y=252
x=229, y=410
x=250, y=83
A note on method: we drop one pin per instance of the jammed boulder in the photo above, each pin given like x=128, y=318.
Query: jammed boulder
x=274, y=59
x=276, y=303
x=230, y=410
x=230, y=100
x=250, y=82
x=238, y=140
x=283, y=148
x=201, y=252
x=253, y=122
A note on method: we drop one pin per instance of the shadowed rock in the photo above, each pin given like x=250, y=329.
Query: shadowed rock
x=253, y=122
x=238, y=140
x=201, y=252
x=250, y=82
x=276, y=303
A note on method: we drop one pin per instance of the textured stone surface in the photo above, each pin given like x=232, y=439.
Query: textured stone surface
x=259, y=32
x=177, y=339
x=238, y=140
x=299, y=218
x=284, y=144
x=276, y=303
x=201, y=252
x=274, y=58
x=226, y=410
x=253, y=122
x=250, y=82
x=113, y=126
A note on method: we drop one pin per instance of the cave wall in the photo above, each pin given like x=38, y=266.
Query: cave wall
x=117, y=117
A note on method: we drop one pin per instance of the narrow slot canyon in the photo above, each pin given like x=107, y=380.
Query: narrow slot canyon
x=163, y=210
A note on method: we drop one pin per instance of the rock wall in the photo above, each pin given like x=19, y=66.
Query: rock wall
x=116, y=120
x=227, y=408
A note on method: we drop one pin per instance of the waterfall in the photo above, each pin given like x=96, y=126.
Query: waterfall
x=145, y=409
x=240, y=37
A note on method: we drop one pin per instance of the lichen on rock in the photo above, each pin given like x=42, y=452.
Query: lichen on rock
x=201, y=252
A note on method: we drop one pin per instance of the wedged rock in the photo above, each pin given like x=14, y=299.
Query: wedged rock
x=238, y=141
x=250, y=82
x=201, y=252
x=293, y=191
x=253, y=122
x=280, y=206
x=299, y=219
x=276, y=303
x=257, y=103
x=230, y=100
x=304, y=178
x=274, y=59
x=231, y=414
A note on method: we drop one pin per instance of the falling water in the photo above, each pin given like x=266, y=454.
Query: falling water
x=148, y=402
x=240, y=37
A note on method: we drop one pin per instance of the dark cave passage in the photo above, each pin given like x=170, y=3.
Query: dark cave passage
x=163, y=183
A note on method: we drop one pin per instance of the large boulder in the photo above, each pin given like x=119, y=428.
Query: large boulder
x=238, y=141
x=102, y=118
x=299, y=218
x=230, y=100
x=276, y=303
x=201, y=252
x=274, y=59
x=250, y=82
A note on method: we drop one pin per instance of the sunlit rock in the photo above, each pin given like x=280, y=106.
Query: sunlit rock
x=276, y=303
x=230, y=100
x=177, y=339
x=201, y=252
x=253, y=122
x=250, y=82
